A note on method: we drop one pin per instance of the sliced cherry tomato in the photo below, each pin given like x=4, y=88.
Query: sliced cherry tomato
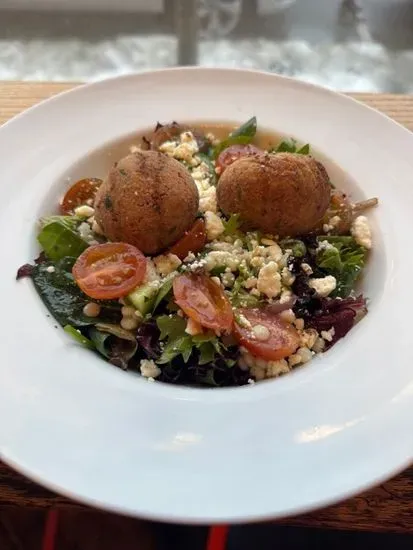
x=80, y=192
x=282, y=340
x=110, y=270
x=193, y=240
x=233, y=153
x=203, y=301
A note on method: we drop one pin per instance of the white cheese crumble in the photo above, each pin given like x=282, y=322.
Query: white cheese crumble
x=50, y=269
x=213, y=225
x=166, y=263
x=243, y=321
x=149, y=369
x=286, y=296
x=185, y=149
x=151, y=274
x=324, y=286
x=324, y=245
x=85, y=231
x=361, y=232
x=328, y=335
x=287, y=277
x=220, y=258
x=269, y=280
x=208, y=200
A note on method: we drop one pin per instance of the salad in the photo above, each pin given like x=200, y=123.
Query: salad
x=205, y=262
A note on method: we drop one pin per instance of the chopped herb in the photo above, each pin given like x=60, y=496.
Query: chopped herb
x=232, y=225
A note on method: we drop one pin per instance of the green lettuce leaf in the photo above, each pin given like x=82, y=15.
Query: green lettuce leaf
x=243, y=135
x=59, y=237
x=344, y=259
x=63, y=298
x=179, y=343
x=291, y=146
x=114, y=343
x=79, y=337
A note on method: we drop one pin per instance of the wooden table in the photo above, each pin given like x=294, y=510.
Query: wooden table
x=386, y=508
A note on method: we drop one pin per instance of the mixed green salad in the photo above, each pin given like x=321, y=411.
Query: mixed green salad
x=225, y=305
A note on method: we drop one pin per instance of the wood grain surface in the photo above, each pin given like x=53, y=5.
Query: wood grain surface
x=386, y=508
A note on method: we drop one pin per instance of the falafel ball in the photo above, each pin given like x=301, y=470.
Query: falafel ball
x=285, y=194
x=148, y=200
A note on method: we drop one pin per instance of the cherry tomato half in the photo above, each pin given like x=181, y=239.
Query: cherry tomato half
x=233, y=153
x=193, y=240
x=80, y=192
x=203, y=301
x=110, y=270
x=282, y=341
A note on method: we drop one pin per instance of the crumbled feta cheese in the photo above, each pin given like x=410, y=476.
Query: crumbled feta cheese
x=259, y=251
x=190, y=257
x=198, y=264
x=324, y=286
x=269, y=280
x=287, y=277
x=249, y=283
x=324, y=245
x=332, y=224
x=243, y=321
x=257, y=261
x=228, y=279
x=328, y=335
x=193, y=328
x=221, y=258
x=213, y=225
x=261, y=333
x=166, y=263
x=85, y=231
x=84, y=211
x=168, y=147
x=274, y=252
x=208, y=200
x=286, y=296
x=50, y=269
x=149, y=369
x=306, y=268
x=361, y=232
x=187, y=137
x=151, y=273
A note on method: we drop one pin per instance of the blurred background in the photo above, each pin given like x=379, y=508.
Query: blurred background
x=351, y=45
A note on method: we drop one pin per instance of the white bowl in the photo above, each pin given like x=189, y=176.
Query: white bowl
x=85, y=429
